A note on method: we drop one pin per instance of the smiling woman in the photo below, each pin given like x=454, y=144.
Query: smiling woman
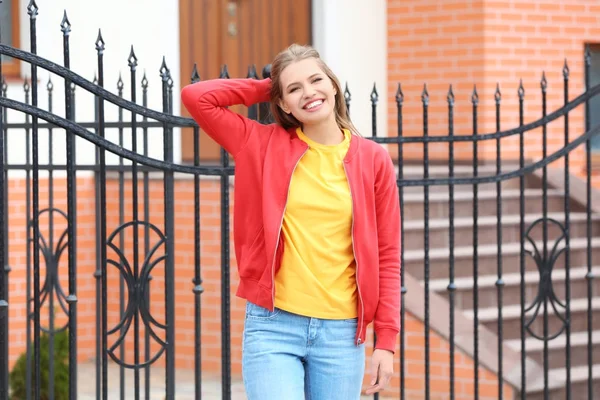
x=313, y=273
x=9, y=31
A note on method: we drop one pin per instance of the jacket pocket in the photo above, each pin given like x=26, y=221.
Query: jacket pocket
x=254, y=260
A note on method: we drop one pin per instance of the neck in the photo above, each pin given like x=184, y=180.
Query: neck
x=326, y=132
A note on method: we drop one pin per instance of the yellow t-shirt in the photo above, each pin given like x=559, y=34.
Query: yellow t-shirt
x=317, y=274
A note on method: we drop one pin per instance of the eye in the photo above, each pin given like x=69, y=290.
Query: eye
x=317, y=79
x=292, y=90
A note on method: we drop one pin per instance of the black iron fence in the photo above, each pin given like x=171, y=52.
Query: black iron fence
x=558, y=320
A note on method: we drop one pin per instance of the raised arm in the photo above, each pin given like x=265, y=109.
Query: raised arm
x=207, y=102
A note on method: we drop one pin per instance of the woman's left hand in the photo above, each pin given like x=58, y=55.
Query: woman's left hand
x=382, y=369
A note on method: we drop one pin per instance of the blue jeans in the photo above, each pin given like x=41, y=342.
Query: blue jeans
x=290, y=357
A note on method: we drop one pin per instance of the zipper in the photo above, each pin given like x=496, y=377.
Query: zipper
x=362, y=307
x=279, y=230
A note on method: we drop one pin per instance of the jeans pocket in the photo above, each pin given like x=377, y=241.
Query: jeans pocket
x=256, y=312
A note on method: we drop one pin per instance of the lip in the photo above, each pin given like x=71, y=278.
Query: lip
x=314, y=108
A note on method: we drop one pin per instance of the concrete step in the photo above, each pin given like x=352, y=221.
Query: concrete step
x=439, y=203
x=511, y=293
x=556, y=349
x=439, y=229
x=511, y=318
x=487, y=260
x=557, y=384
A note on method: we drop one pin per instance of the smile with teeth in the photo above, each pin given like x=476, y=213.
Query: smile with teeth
x=313, y=104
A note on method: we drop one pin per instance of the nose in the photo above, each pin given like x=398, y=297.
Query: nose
x=309, y=92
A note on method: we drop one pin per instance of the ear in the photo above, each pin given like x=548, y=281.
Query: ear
x=284, y=107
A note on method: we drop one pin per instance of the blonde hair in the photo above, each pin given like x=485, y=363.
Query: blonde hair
x=294, y=53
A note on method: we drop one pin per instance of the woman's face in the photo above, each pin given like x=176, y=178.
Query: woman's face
x=308, y=93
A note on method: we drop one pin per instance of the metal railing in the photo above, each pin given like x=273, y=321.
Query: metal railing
x=135, y=274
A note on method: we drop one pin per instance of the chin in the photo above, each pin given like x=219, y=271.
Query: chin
x=317, y=118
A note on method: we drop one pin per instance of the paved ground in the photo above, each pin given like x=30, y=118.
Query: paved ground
x=184, y=388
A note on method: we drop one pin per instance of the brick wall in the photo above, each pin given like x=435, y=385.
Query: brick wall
x=488, y=43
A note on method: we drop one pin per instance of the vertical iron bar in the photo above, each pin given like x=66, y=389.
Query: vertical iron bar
x=521, y=93
x=146, y=238
x=451, y=284
x=425, y=101
x=122, y=377
x=252, y=113
x=3, y=256
x=546, y=259
x=29, y=377
x=170, y=245
x=4, y=252
x=72, y=216
x=32, y=10
x=374, y=100
x=399, y=103
x=98, y=271
x=53, y=275
x=100, y=47
x=225, y=283
x=134, y=206
x=475, y=101
x=252, y=109
x=589, y=275
x=567, y=198
x=500, y=280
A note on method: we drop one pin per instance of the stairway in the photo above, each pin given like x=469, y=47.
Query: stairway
x=487, y=249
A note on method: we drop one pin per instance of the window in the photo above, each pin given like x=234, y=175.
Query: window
x=9, y=28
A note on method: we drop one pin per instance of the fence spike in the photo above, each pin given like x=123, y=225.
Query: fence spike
x=65, y=25
x=132, y=59
x=588, y=55
x=100, y=45
x=32, y=9
x=374, y=94
x=498, y=94
x=224, y=72
x=266, y=72
x=120, y=84
x=164, y=70
x=565, y=70
x=195, y=75
x=347, y=94
x=399, y=94
x=475, y=96
x=144, y=81
x=521, y=90
x=450, y=96
x=252, y=74
x=544, y=82
x=425, y=95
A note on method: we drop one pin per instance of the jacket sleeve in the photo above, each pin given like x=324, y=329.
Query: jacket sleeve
x=387, y=316
x=207, y=102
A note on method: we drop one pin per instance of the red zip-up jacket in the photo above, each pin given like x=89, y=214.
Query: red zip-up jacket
x=265, y=158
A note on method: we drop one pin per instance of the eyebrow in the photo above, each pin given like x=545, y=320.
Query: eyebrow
x=312, y=76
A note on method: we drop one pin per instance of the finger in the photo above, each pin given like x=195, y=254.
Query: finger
x=374, y=372
x=373, y=389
